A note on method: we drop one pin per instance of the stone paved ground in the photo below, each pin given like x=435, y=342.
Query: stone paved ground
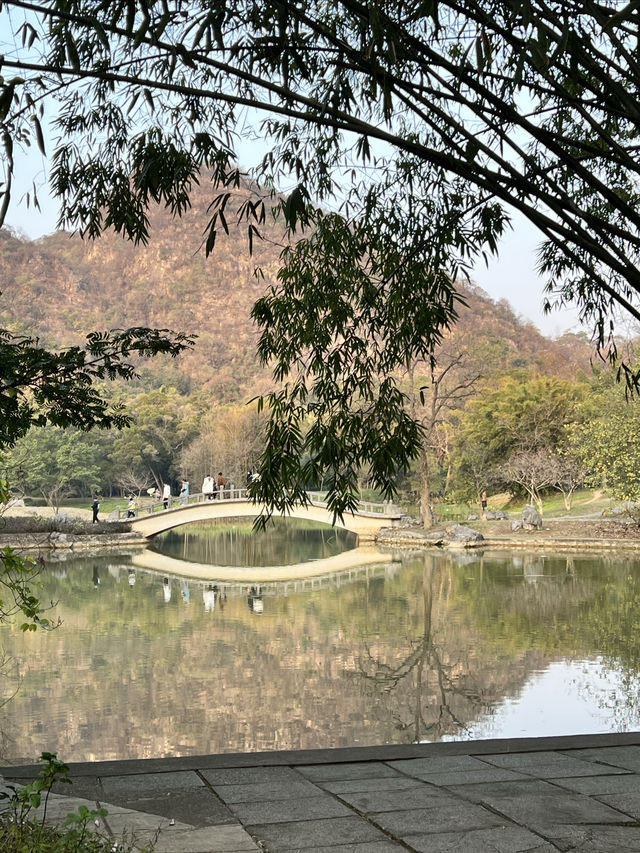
x=570, y=794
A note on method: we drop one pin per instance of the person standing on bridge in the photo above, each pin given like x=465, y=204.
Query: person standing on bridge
x=184, y=492
x=222, y=482
x=207, y=488
x=166, y=495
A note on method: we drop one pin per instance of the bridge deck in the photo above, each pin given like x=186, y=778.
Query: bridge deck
x=366, y=523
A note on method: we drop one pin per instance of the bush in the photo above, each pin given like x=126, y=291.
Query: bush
x=60, y=523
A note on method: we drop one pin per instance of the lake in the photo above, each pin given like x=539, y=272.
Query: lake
x=396, y=647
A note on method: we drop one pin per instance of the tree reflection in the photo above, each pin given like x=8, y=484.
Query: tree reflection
x=434, y=682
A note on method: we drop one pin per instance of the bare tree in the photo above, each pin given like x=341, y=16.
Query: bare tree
x=133, y=480
x=534, y=470
x=569, y=476
x=453, y=377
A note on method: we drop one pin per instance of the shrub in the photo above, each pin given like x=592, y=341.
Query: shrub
x=23, y=832
x=61, y=523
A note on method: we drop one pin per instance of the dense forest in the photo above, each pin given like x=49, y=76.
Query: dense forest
x=193, y=415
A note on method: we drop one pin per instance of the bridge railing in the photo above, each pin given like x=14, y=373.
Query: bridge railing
x=229, y=495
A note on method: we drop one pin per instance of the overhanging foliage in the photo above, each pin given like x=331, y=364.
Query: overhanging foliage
x=424, y=124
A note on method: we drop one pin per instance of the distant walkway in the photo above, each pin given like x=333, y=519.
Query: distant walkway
x=493, y=796
x=154, y=519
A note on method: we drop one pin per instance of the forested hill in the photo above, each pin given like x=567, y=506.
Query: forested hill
x=60, y=287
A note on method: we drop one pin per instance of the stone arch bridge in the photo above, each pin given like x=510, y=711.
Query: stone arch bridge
x=365, y=523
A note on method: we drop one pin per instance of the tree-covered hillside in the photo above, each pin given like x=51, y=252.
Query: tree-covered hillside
x=60, y=287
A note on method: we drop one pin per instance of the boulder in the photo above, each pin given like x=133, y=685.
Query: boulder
x=472, y=518
x=461, y=534
x=57, y=537
x=531, y=518
x=496, y=515
x=407, y=521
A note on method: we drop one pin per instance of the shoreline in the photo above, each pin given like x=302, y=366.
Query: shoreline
x=72, y=530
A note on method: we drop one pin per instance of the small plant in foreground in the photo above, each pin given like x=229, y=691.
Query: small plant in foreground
x=22, y=831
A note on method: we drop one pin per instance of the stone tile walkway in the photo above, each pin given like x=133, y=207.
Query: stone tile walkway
x=571, y=794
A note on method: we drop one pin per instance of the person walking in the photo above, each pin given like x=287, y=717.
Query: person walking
x=131, y=507
x=95, y=507
x=166, y=495
x=184, y=493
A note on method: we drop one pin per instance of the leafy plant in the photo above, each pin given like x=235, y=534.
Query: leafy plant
x=21, y=831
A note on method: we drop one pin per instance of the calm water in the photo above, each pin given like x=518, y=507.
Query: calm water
x=233, y=542
x=414, y=647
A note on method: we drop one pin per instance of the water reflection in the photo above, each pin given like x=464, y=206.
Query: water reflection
x=425, y=646
x=233, y=542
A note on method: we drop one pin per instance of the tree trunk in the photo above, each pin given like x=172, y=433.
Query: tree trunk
x=537, y=501
x=425, y=491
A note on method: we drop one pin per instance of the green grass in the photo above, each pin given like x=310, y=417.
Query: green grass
x=584, y=502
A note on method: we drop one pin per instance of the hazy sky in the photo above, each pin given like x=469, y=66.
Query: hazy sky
x=512, y=276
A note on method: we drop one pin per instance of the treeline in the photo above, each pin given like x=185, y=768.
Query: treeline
x=485, y=428
x=521, y=432
x=173, y=436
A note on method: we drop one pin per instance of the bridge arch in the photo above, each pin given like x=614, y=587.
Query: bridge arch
x=365, y=524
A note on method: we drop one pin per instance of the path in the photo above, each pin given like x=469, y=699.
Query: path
x=501, y=796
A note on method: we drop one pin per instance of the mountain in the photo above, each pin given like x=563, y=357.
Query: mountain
x=60, y=287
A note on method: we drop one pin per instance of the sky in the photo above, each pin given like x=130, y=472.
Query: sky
x=511, y=276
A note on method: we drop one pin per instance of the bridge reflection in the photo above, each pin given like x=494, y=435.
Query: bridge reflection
x=358, y=560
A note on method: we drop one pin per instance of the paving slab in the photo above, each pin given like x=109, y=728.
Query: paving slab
x=136, y=822
x=385, y=783
x=595, y=839
x=196, y=806
x=285, y=811
x=57, y=807
x=176, y=837
x=459, y=817
x=495, y=791
x=549, y=765
x=278, y=789
x=425, y=796
x=628, y=803
x=138, y=783
x=307, y=834
x=439, y=764
x=460, y=777
x=250, y=775
x=503, y=839
x=218, y=839
x=84, y=786
x=364, y=770
x=625, y=757
x=619, y=784
x=539, y=811
x=364, y=847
